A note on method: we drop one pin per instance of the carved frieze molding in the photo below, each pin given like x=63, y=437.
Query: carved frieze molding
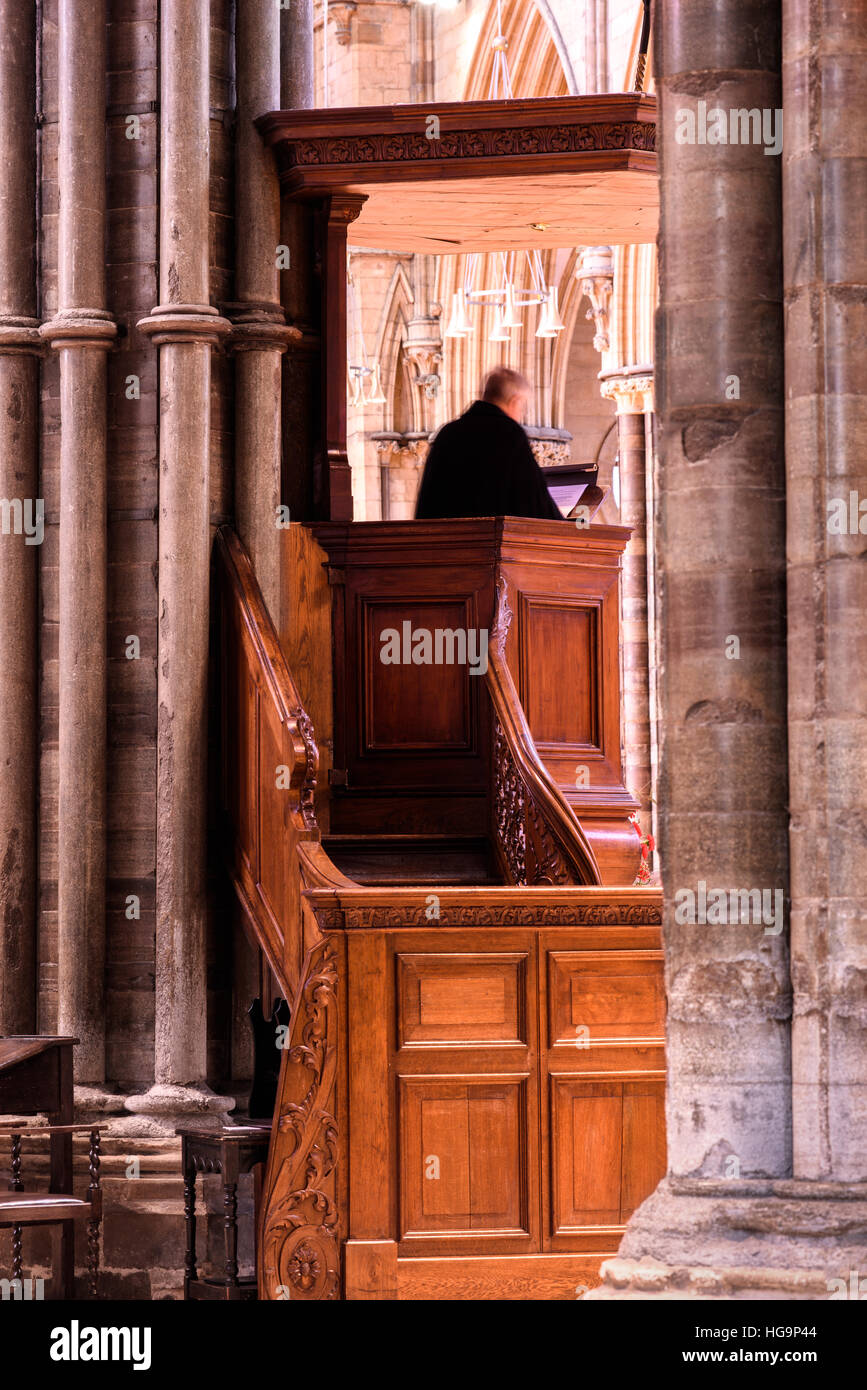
x=376, y=148
x=608, y=914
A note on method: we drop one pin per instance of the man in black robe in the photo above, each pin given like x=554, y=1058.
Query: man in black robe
x=482, y=464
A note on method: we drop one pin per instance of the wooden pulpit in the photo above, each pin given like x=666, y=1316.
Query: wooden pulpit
x=415, y=739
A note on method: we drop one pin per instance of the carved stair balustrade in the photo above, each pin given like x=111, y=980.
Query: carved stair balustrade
x=270, y=767
x=537, y=837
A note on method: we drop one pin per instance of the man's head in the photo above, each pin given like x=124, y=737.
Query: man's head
x=509, y=390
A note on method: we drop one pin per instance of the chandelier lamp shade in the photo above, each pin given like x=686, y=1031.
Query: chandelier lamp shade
x=507, y=301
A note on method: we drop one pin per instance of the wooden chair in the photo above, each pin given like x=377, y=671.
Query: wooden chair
x=20, y=1207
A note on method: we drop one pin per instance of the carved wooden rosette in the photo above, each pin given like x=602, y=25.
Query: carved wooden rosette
x=300, y=1256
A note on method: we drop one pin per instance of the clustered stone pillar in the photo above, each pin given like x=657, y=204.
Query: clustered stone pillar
x=298, y=280
x=824, y=182
x=632, y=393
x=186, y=328
x=721, y=561
x=20, y=348
x=296, y=55
x=259, y=333
x=81, y=332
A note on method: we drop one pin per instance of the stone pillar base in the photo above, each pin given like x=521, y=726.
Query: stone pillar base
x=96, y=1102
x=743, y=1239
x=163, y=1108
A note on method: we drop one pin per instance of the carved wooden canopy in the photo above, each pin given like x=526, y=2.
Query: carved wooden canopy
x=481, y=175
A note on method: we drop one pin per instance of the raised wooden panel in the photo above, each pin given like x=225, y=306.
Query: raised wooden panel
x=461, y=998
x=644, y=1151
x=614, y=994
x=394, y=695
x=607, y=1149
x=559, y=665
x=463, y=1155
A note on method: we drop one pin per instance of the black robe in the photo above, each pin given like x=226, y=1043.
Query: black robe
x=482, y=465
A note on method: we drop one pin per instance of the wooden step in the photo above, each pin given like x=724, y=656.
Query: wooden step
x=383, y=861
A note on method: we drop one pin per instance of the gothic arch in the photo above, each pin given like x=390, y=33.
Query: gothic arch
x=388, y=348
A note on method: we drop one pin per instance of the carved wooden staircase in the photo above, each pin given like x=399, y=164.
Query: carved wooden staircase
x=471, y=1100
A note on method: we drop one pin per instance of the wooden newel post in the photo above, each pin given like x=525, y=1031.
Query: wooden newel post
x=332, y=476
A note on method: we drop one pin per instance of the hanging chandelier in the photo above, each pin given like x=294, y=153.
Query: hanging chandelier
x=507, y=300
x=365, y=387
x=506, y=297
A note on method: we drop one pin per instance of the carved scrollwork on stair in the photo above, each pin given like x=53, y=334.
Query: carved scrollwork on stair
x=308, y=789
x=525, y=841
x=537, y=838
x=509, y=809
x=300, y=1245
x=545, y=862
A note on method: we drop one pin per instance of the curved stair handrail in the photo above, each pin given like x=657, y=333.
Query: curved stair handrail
x=538, y=838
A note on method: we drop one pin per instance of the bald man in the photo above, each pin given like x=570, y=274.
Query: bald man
x=482, y=464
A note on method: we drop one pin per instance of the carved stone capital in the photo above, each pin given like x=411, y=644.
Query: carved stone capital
x=20, y=336
x=595, y=274
x=550, y=447
x=85, y=328
x=409, y=448
x=184, y=323
x=631, y=389
x=341, y=16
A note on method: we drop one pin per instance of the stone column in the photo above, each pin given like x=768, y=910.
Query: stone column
x=298, y=282
x=723, y=788
x=296, y=56
x=186, y=328
x=721, y=562
x=82, y=332
x=824, y=181
x=20, y=348
x=259, y=333
x=632, y=393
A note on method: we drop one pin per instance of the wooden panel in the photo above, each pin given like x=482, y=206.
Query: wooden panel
x=614, y=994
x=371, y=1152
x=588, y=1155
x=463, y=1165
x=607, y=1147
x=616, y=207
x=305, y=635
x=559, y=668
x=396, y=694
x=644, y=1149
x=521, y=1278
x=370, y=1270
x=461, y=998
